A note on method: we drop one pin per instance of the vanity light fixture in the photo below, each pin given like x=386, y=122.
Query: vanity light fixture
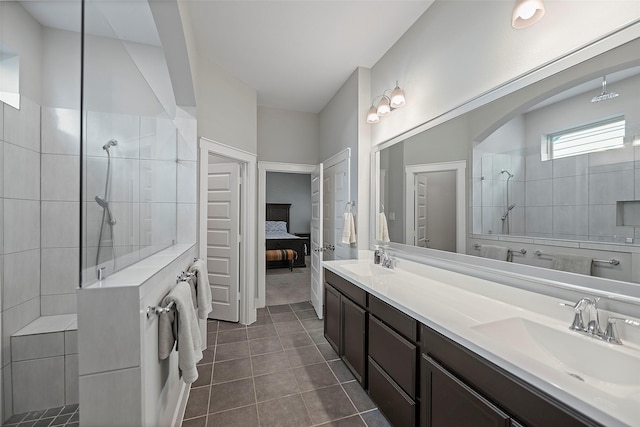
x=526, y=13
x=386, y=104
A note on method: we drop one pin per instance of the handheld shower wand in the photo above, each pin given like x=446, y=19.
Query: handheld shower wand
x=107, y=215
x=506, y=214
x=105, y=205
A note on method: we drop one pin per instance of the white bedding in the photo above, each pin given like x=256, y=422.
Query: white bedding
x=280, y=235
x=277, y=230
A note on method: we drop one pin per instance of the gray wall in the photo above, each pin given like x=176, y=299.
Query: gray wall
x=292, y=188
x=288, y=136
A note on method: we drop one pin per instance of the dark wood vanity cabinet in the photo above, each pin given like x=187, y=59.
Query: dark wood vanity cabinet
x=417, y=376
x=345, y=323
x=458, y=387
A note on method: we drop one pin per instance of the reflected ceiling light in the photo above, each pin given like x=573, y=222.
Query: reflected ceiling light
x=386, y=104
x=604, y=95
x=526, y=13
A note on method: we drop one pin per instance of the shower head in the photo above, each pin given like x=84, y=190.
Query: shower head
x=109, y=144
x=511, y=206
x=507, y=172
x=102, y=202
x=604, y=96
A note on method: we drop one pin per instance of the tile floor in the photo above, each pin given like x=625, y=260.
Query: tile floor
x=279, y=371
x=67, y=416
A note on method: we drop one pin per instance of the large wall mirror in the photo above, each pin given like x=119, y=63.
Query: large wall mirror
x=551, y=168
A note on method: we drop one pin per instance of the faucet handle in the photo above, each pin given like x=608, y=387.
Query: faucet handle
x=611, y=334
x=578, y=318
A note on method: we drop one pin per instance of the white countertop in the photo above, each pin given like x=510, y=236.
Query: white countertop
x=525, y=333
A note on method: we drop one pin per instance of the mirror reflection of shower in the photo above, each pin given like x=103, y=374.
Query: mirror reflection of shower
x=107, y=215
x=509, y=206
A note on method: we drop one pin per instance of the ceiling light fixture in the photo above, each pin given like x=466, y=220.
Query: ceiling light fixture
x=526, y=13
x=386, y=104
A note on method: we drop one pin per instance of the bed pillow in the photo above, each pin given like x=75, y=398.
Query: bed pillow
x=275, y=226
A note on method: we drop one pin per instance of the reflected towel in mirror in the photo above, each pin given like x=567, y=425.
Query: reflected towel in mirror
x=383, y=229
x=348, y=229
x=572, y=263
x=500, y=253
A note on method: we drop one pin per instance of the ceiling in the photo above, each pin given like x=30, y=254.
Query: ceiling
x=297, y=54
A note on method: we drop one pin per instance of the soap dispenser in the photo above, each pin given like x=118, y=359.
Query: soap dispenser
x=376, y=255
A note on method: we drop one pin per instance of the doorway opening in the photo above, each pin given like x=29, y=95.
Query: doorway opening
x=287, y=232
x=435, y=203
x=283, y=184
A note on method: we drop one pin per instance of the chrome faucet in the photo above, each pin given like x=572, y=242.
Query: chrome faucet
x=387, y=260
x=586, y=320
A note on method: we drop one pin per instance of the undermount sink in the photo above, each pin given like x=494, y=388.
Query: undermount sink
x=581, y=357
x=366, y=269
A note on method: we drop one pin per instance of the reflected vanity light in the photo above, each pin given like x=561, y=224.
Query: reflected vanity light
x=526, y=13
x=386, y=104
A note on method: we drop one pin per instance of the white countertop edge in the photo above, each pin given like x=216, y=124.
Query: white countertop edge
x=541, y=384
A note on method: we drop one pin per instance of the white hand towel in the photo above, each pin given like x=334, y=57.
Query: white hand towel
x=185, y=328
x=383, y=228
x=203, y=290
x=348, y=229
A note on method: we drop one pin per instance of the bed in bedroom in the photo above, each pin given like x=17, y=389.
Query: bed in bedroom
x=278, y=238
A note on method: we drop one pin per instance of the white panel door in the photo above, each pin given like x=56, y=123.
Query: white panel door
x=223, y=236
x=339, y=198
x=328, y=217
x=420, y=191
x=316, y=240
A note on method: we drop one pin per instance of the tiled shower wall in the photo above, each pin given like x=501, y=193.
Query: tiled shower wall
x=570, y=198
x=60, y=171
x=21, y=234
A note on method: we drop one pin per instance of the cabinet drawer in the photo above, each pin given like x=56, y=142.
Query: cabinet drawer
x=394, y=403
x=356, y=294
x=405, y=325
x=394, y=354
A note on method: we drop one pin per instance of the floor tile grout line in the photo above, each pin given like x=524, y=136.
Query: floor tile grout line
x=255, y=392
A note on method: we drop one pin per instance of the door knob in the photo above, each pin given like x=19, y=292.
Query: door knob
x=329, y=247
x=318, y=250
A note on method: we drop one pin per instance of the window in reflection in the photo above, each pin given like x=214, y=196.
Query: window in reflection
x=599, y=136
x=9, y=77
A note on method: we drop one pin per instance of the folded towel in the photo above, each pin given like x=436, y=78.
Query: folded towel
x=572, y=263
x=383, y=229
x=348, y=229
x=203, y=290
x=182, y=326
x=500, y=253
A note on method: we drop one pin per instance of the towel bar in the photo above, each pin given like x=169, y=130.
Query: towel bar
x=612, y=261
x=185, y=276
x=154, y=311
x=523, y=251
